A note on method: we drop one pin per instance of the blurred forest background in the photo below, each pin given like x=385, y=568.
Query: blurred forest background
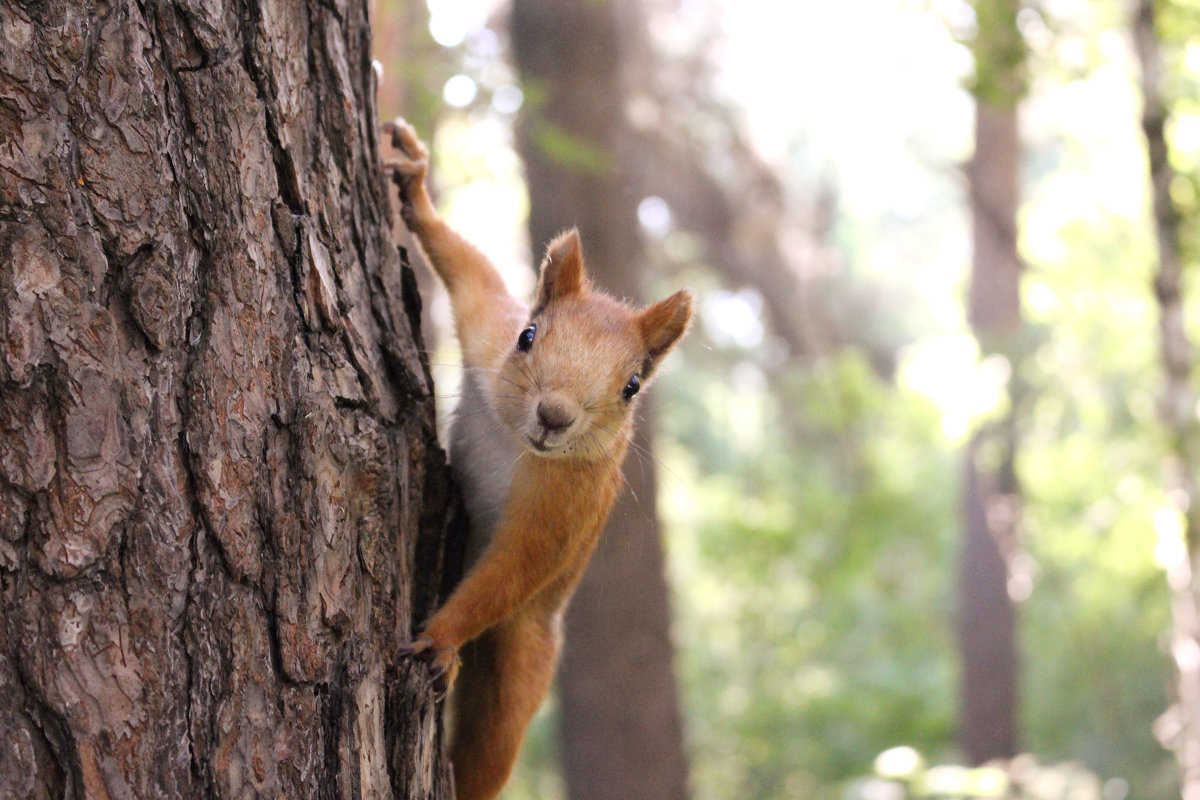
x=923, y=468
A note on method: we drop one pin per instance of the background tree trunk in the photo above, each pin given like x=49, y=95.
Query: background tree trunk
x=221, y=498
x=991, y=495
x=620, y=720
x=1180, y=727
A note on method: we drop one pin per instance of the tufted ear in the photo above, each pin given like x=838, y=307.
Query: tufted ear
x=662, y=325
x=562, y=269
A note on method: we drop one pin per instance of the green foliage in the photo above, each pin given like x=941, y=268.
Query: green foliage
x=814, y=546
x=813, y=590
x=901, y=774
x=814, y=529
x=1179, y=32
x=1090, y=464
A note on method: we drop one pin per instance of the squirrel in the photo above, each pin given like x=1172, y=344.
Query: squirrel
x=543, y=424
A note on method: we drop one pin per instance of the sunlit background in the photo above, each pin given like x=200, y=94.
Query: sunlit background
x=810, y=501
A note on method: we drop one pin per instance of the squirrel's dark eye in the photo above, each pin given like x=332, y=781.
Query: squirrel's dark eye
x=631, y=388
x=525, y=340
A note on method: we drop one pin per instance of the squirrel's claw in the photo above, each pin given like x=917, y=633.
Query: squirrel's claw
x=444, y=673
x=443, y=662
x=420, y=648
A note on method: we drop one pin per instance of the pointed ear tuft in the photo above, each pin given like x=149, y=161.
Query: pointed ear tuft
x=662, y=325
x=562, y=269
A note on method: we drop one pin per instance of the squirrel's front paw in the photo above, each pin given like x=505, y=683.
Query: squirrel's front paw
x=413, y=161
x=443, y=661
x=408, y=171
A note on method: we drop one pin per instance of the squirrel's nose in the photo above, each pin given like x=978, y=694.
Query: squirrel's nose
x=554, y=418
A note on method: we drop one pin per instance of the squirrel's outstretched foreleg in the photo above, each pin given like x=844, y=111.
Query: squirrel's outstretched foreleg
x=484, y=311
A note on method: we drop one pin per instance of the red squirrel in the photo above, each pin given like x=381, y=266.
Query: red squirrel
x=542, y=427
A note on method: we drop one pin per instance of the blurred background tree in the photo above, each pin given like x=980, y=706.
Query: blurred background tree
x=1162, y=31
x=619, y=729
x=807, y=169
x=991, y=493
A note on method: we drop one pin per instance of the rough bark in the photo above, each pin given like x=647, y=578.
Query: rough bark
x=1178, y=407
x=221, y=498
x=620, y=720
x=991, y=504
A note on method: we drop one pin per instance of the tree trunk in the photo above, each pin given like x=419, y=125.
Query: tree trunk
x=620, y=720
x=987, y=620
x=221, y=498
x=1178, y=410
x=991, y=504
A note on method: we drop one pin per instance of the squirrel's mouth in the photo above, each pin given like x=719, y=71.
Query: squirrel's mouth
x=546, y=444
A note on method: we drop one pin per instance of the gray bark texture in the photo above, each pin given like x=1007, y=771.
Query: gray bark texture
x=221, y=498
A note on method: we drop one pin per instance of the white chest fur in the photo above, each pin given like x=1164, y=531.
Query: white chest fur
x=483, y=456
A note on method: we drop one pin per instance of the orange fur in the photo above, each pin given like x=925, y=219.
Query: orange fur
x=539, y=458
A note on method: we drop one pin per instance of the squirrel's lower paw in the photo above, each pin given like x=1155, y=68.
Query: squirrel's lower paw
x=443, y=662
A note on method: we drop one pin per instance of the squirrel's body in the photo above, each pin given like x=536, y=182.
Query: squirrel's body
x=537, y=444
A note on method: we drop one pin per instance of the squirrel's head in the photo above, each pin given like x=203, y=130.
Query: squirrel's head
x=573, y=376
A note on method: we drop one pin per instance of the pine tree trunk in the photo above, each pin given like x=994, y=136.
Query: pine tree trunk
x=221, y=498
x=620, y=720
